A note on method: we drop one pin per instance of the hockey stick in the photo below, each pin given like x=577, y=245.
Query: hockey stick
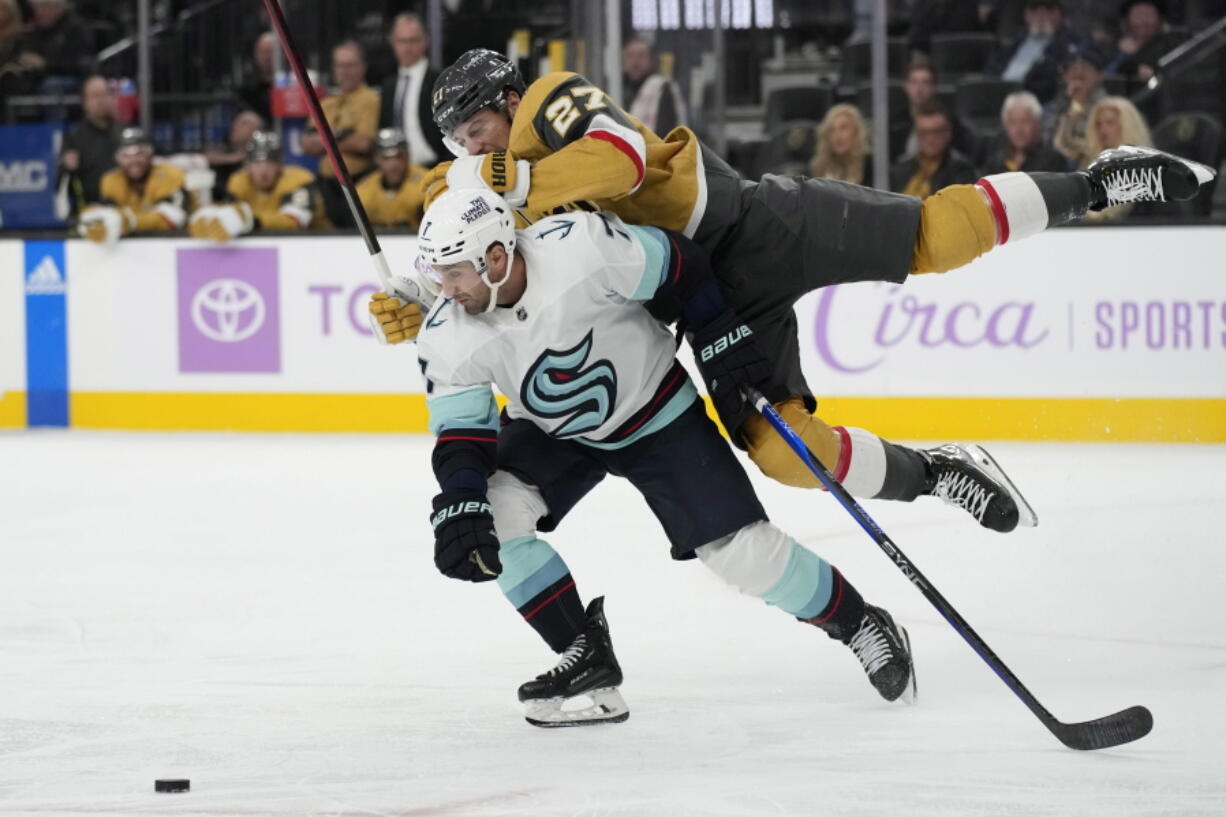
x=403, y=285
x=1122, y=727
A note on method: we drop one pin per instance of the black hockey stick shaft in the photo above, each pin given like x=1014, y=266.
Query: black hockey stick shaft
x=330, y=147
x=1121, y=727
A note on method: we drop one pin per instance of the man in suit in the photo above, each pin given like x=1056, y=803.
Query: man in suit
x=1035, y=59
x=405, y=103
x=936, y=164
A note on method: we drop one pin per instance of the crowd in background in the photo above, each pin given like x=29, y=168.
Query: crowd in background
x=1056, y=112
x=931, y=147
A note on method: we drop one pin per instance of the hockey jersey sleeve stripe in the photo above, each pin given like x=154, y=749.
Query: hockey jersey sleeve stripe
x=299, y=215
x=471, y=408
x=625, y=147
x=655, y=268
x=172, y=214
x=465, y=461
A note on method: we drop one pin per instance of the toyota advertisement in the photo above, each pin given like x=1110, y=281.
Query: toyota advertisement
x=1053, y=317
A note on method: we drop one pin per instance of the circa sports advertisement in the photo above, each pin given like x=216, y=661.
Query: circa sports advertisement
x=1051, y=317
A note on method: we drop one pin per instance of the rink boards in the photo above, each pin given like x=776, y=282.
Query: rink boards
x=1076, y=334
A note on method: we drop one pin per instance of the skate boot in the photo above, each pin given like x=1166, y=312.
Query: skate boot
x=884, y=651
x=582, y=688
x=967, y=477
x=1135, y=174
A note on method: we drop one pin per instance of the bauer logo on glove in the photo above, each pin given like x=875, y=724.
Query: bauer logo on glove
x=723, y=342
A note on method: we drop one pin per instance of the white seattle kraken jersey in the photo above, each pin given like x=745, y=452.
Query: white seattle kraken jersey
x=578, y=355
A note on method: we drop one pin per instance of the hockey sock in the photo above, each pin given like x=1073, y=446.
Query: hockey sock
x=872, y=468
x=815, y=592
x=538, y=583
x=761, y=560
x=1023, y=204
x=842, y=614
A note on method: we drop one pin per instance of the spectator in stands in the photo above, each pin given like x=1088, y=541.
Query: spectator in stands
x=228, y=160
x=56, y=47
x=1067, y=115
x=930, y=17
x=353, y=114
x=265, y=195
x=1144, y=39
x=920, y=86
x=89, y=148
x=1035, y=59
x=14, y=76
x=392, y=197
x=405, y=95
x=654, y=99
x=935, y=164
x=139, y=196
x=842, y=147
x=1021, y=145
x=1114, y=121
x=256, y=91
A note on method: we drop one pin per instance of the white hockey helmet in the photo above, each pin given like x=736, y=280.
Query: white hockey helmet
x=461, y=225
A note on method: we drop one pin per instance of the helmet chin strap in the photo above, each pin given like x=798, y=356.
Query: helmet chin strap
x=493, y=285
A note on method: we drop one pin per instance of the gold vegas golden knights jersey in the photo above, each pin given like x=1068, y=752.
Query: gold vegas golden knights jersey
x=393, y=208
x=589, y=153
x=161, y=204
x=294, y=203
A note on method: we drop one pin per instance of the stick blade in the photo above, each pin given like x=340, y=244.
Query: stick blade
x=1125, y=726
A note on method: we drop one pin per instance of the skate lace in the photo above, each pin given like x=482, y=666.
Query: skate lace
x=571, y=655
x=962, y=491
x=871, y=646
x=1134, y=184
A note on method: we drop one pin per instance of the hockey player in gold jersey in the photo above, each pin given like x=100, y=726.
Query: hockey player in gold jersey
x=265, y=194
x=139, y=196
x=561, y=143
x=392, y=196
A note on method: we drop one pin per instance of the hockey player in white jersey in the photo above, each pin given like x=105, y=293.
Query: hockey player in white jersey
x=556, y=316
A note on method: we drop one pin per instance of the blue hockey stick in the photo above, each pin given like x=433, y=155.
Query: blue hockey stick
x=1122, y=727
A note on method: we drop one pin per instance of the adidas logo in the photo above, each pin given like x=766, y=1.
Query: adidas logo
x=46, y=279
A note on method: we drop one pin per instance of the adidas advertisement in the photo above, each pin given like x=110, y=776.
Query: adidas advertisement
x=268, y=326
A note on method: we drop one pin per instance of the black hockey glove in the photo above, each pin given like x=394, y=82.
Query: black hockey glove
x=729, y=360
x=465, y=545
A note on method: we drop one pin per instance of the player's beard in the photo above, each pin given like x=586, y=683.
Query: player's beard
x=477, y=302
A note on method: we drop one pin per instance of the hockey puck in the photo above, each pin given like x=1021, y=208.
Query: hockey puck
x=172, y=785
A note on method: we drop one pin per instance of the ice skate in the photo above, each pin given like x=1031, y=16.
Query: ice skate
x=967, y=477
x=582, y=689
x=1135, y=174
x=884, y=651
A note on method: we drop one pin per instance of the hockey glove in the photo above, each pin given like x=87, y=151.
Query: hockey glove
x=465, y=545
x=392, y=320
x=105, y=225
x=496, y=171
x=221, y=223
x=434, y=183
x=729, y=360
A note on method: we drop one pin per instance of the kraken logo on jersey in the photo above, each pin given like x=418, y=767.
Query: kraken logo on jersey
x=558, y=385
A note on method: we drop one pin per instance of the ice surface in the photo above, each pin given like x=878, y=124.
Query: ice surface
x=260, y=614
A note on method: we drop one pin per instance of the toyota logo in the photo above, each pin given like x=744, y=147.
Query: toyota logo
x=236, y=308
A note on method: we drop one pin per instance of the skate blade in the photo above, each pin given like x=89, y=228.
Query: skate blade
x=911, y=694
x=1026, y=517
x=586, y=709
x=1204, y=173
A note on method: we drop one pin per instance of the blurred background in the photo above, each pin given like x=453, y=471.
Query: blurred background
x=779, y=86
